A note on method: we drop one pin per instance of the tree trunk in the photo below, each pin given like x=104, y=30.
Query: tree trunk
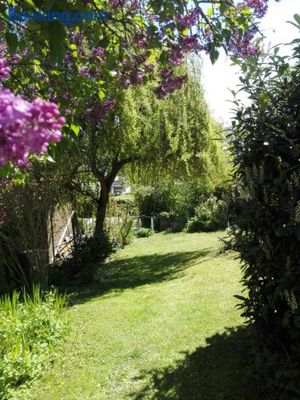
x=101, y=210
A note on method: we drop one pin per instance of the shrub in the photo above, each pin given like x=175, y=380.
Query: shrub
x=266, y=148
x=87, y=255
x=209, y=216
x=30, y=329
x=144, y=233
x=120, y=220
x=151, y=201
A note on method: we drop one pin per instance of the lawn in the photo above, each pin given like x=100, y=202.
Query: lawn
x=160, y=324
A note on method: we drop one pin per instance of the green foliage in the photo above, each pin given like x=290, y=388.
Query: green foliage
x=211, y=215
x=266, y=148
x=190, y=205
x=30, y=328
x=125, y=232
x=151, y=201
x=144, y=233
x=86, y=258
x=85, y=206
x=120, y=219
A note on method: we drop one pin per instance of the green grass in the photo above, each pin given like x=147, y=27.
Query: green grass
x=160, y=324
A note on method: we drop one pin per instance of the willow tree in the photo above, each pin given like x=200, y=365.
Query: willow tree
x=167, y=137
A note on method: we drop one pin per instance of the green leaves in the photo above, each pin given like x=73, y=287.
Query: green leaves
x=266, y=150
x=12, y=41
x=57, y=35
x=213, y=54
x=75, y=129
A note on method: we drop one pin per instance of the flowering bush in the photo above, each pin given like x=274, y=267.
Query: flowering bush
x=79, y=67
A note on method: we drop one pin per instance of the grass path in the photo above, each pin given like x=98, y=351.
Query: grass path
x=155, y=327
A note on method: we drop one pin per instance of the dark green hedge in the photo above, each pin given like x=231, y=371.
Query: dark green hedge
x=266, y=147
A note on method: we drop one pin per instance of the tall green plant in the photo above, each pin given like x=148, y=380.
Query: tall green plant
x=266, y=148
x=30, y=328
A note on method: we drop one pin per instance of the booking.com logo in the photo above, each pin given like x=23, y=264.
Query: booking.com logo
x=66, y=17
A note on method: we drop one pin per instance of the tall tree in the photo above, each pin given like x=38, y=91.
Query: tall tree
x=170, y=137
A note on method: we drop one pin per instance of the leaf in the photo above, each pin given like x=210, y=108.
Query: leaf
x=56, y=31
x=12, y=41
x=246, y=11
x=57, y=36
x=31, y=4
x=297, y=231
x=101, y=94
x=75, y=129
x=48, y=4
x=50, y=159
x=297, y=19
x=210, y=12
x=240, y=297
x=214, y=55
x=5, y=170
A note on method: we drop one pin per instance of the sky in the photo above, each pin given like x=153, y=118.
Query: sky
x=222, y=76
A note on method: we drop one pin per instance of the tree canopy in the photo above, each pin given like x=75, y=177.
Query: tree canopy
x=75, y=65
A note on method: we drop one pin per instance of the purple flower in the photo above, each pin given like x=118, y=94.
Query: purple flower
x=135, y=4
x=176, y=56
x=167, y=73
x=140, y=40
x=259, y=7
x=188, y=20
x=4, y=69
x=241, y=44
x=104, y=108
x=126, y=81
x=26, y=127
x=85, y=71
x=190, y=43
x=117, y=3
x=99, y=52
x=170, y=84
x=149, y=68
x=139, y=76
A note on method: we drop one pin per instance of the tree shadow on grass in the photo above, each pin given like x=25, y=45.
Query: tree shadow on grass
x=218, y=371
x=137, y=271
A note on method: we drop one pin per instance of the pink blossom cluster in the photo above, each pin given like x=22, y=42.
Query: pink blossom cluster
x=170, y=83
x=4, y=69
x=26, y=127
